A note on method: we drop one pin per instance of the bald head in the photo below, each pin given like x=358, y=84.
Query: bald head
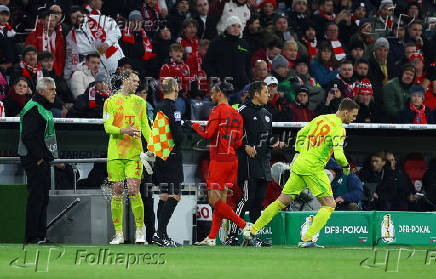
x=169, y=85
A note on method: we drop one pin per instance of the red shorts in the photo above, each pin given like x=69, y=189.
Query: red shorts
x=222, y=175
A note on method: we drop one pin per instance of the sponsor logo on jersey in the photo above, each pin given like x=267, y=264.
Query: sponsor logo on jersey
x=177, y=115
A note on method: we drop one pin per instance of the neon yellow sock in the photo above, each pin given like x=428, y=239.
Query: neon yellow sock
x=117, y=212
x=319, y=222
x=267, y=216
x=138, y=210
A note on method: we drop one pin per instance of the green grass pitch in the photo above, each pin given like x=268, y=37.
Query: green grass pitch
x=104, y=261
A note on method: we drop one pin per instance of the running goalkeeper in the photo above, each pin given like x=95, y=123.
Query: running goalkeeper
x=125, y=118
x=315, y=143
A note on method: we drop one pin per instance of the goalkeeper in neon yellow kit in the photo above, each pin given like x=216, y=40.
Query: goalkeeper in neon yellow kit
x=125, y=117
x=315, y=143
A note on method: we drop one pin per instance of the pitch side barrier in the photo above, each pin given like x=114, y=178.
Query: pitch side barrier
x=358, y=228
x=392, y=126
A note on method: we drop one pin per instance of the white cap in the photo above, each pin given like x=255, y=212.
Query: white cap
x=270, y=80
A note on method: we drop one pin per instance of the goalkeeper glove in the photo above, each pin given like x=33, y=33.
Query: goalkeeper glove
x=346, y=170
x=145, y=159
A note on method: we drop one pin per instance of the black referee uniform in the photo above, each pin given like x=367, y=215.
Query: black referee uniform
x=254, y=173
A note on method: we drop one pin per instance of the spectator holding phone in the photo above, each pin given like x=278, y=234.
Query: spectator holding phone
x=331, y=103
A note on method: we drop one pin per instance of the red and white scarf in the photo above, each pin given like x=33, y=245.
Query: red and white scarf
x=99, y=34
x=312, y=81
x=74, y=51
x=7, y=30
x=355, y=20
x=49, y=42
x=150, y=16
x=387, y=21
x=92, y=93
x=148, y=48
x=2, y=110
x=331, y=17
x=420, y=115
x=311, y=47
x=338, y=50
x=91, y=10
x=349, y=87
x=28, y=70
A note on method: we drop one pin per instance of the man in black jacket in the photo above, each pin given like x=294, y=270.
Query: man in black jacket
x=254, y=171
x=228, y=56
x=169, y=173
x=90, y=104
x=37, y=148
x=395, y=190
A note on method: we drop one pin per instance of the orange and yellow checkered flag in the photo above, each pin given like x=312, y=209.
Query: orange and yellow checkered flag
x=161, y=140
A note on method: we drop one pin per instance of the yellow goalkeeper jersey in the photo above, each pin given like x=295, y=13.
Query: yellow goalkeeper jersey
x=120, y=111
x=317, y=142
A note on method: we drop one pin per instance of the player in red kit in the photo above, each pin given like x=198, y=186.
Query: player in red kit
x=225, y=131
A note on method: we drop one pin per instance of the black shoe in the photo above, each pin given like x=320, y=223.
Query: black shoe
x=259, y=243
x=44, y=241
x=168, y=242
x=159, y=241
x=232, y=241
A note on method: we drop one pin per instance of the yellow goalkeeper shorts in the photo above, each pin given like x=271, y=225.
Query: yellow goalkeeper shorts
x=121, y=169
x=318, y=183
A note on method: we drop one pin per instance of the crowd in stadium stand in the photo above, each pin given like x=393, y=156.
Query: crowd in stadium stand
x=310, y=53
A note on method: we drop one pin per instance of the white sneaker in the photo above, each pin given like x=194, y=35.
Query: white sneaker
x=246, y=231
x=118, y=238
x=145, y=159
x=309, y=244
x=139, y=237
x=206, y=242
x=246, y=234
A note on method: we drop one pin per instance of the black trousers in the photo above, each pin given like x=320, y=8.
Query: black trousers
x=38, y=186
x=253, y=194
x=147, y=200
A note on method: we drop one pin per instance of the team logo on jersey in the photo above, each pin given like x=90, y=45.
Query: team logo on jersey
x=305, y=228
x=185, y=72
x=267, y=118
x=177, y=115
x=106, y=116
x=387, y=229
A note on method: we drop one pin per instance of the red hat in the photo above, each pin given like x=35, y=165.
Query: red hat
x=363, y=88
x=273, y=2
x=416, y=55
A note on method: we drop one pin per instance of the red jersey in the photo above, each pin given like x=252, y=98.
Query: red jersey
x=190, y=45
x=195, y=63
x=179, y=71
x=225, y=131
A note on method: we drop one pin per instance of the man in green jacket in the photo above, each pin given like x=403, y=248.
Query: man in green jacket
x=396, y=92
x=37, y=147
